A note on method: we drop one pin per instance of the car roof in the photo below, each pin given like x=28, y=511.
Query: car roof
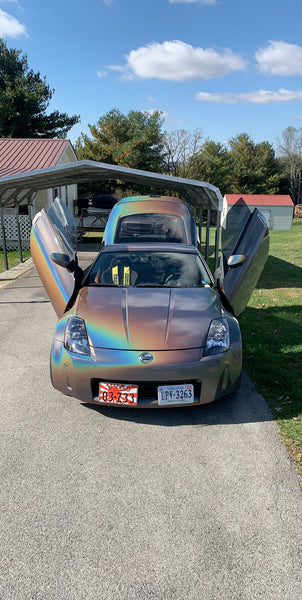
x=153, y=204
x=150, y=246
x=154, y=198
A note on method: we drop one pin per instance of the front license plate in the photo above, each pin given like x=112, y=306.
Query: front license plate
x=118, y=393
x=175, y=394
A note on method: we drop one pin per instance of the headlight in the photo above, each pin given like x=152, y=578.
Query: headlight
x=218, y=339
x=76, y=339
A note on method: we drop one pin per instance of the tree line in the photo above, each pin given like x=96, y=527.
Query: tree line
x=138, y=140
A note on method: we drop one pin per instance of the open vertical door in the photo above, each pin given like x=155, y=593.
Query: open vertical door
x=53, y=250
x=241, y=268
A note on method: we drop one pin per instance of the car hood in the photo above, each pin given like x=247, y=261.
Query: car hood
x=147, y=319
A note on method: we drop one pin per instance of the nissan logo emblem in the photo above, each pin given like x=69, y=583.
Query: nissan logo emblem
x=146, y=357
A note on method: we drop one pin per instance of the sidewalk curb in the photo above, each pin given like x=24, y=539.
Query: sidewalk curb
x=6, y=277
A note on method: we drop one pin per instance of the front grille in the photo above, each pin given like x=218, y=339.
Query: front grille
x=147, y=390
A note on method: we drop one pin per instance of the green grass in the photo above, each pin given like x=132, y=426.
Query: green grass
x=271, y=329
x=13, y=259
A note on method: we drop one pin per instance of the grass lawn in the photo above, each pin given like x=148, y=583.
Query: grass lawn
x=271, y=329
x=13, y=258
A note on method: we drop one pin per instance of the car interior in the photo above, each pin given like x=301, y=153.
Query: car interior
x=148, y=269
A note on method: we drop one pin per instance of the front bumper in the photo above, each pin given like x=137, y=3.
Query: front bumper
x=212, y=376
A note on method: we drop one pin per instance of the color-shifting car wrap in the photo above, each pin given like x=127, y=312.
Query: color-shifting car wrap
x=151, y=218
x=147, y=325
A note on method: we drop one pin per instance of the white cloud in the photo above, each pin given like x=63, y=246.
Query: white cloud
x=193, y=1
x=280, y=58
x=151, y=112
x=177, y=61
x=101, y=74
x=125, y=73
x=217, y=98
x=257, y=97
x=10, y=27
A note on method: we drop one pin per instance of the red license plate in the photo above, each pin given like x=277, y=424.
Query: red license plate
x=118, y=393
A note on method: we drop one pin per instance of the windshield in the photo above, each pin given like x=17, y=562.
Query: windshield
x=148, y=269
x=150, y=228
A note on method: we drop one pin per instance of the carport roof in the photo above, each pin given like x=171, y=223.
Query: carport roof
x=15, y=188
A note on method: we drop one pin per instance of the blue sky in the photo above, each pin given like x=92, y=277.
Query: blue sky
x=224, y=66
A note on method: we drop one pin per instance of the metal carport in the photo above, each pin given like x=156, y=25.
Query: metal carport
x=14, y=189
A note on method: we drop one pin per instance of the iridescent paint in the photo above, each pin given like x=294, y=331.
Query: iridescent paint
x=58, y=281
x=151, y=204
x=123, y=321
x=161, y=318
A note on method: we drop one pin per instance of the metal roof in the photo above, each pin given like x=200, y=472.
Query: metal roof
x=20, y=185
x=20, y=155
x=259, y=199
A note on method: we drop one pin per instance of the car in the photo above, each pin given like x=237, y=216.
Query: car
x=146, y=325
x=151, y=218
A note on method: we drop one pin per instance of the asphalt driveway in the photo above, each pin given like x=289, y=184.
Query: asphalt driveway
x=102, y=503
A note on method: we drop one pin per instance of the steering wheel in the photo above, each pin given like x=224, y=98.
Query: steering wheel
x=173, y=277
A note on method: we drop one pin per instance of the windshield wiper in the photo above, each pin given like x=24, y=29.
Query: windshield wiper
x=149, y=285
x=94, y=284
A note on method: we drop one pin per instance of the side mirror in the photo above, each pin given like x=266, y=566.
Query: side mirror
x=237, y=260
x=63, y=260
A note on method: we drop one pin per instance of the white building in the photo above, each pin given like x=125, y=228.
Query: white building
x=19, y=156
x=277, y=209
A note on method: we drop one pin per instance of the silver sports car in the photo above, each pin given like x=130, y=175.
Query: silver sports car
x=147, y=325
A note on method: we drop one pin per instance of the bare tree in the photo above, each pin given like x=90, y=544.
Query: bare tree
x=179, y=148
x=290, y=150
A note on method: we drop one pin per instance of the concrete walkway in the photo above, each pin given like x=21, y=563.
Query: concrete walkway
x=6, y=277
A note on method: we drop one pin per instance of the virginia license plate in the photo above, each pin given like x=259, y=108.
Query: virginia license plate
x=175, y=394
x=118, y=393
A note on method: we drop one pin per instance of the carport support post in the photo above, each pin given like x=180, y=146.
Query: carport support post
x=194, y=214
x=3, y=236
x=200, y=226
x=217, y=238
x=208, y=234
x=30, y=209
x=18, y=232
